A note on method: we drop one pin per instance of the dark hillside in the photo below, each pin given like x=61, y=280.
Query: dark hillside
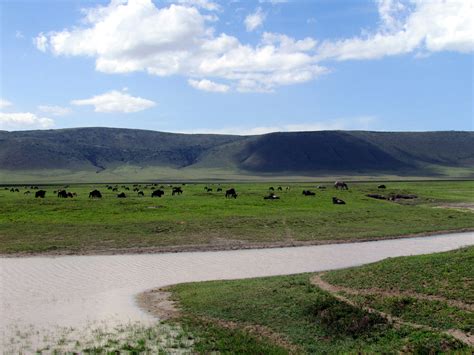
x=100, y=149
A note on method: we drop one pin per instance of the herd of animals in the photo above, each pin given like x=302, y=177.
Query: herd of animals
x=177, y=190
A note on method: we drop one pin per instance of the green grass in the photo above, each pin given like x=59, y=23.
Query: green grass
x=449, y=275
x=208, y=219
x=314, y=321
x=310, y=319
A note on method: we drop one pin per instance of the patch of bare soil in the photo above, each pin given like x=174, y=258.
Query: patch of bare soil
x=460, y=206
x=396, y=321
x=158, y=303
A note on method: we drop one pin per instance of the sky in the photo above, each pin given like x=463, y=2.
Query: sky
x=237, y=67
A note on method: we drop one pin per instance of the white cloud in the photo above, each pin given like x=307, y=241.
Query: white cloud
x=254, y=20
x=208, y=85
x=115, y=101
x=19, y=35
x=4, y=103
x=55, y=110
x=41, y=42
x=177, y=40
x=354, y=123
x=23, y=120
x=204, y=4
x=408, y=26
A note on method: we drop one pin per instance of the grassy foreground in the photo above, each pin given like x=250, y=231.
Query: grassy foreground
x=209, y=220
x=289, y=314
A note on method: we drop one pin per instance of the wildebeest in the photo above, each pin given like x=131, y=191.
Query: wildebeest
x=208, y=189
x=231, y=193
x=136, y=189
x=109, y=187
x=27, y=193
x=115, y=189
x=271, y=188
x=40, y=194
x=381, y=187
x=70, y=195
x=219, y=189
x=121, y=195
x=95, y=194
x=308, y=193
x=321, y=187
x=62, y=194
x=177, y=190
x=341, y=185
x=337, y=201
x=271, y=197
x=141, y=193
x=157, y=193
x=280, y=188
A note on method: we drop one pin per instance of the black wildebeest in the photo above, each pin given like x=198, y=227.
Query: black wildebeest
x=121, y=195
x=381, y=187
x=308, y=193
x=177, y=190
x=341, y=185
x=95, y=194
x=231, y=193
x=62, y=194
x=337, y=201
x=140, y=193
x=271, y=197
x=157, y=193
x=40, y=194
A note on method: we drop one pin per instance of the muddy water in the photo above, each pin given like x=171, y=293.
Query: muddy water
x=47, y=292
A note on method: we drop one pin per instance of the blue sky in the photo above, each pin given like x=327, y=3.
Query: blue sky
x=239, y=67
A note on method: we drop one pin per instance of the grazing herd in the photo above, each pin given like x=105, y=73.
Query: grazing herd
x=230, y=193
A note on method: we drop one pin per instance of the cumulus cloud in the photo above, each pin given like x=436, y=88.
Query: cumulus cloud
x=55, y=110
x=115, y=101
x=41, y=42
x=208, y=85
x=4, y=103
x=178, y=39
x=204, y=4
x=23, y=120
x=408, y=26
x=254, y=20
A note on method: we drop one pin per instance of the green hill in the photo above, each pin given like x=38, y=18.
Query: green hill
x=127, y=154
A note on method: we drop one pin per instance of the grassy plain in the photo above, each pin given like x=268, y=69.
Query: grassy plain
x=293, y=315
x=198, y=219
